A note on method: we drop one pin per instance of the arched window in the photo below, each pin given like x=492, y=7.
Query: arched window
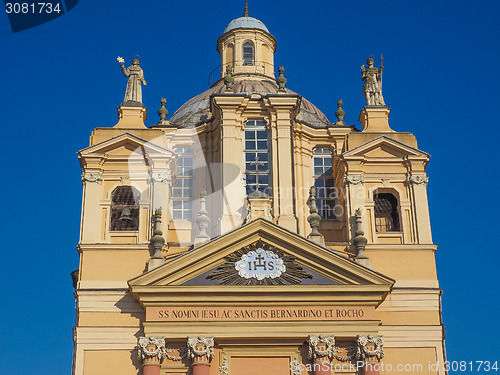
x=248, y=54
x=124, y=209
x=257, y=157
x=182, y=193
x=386, y=213
x=324, y=183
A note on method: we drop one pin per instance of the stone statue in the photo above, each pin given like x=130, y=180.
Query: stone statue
x=135, y=77
x=372, y=88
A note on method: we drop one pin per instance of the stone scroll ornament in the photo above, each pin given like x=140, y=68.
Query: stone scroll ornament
x=259, y=264
x=152, y=347
x=199, y=346
x=365, y=343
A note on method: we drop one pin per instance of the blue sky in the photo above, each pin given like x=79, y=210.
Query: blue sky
x=61, y=80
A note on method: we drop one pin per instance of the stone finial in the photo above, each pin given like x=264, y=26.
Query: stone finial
x=340, y=113
x=314, y=219
x=163, y=112
x=370, y=346
x=360, y=242
x=228, y=79
x=152, y=350
x=202, y=220
x=281, y=80
x=246, y=14
x=321, y=347
x=200, y=346
x=157, y=242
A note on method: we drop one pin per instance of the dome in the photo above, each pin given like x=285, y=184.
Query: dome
x=197, y=109
x=246, y=22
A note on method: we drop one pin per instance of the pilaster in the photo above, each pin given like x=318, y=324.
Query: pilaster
x=282, y=107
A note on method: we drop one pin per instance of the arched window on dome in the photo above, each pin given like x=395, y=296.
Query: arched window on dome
x=256, y=152
x=125, y=209
x=324, y=183
x=386, y=212
x=248, y=54
x=182, y=192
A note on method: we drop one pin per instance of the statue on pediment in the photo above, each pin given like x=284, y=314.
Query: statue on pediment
x=372, y=88
x=135, y=78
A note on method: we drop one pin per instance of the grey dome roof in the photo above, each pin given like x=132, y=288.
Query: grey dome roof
x=197, y=109
x=247, y=23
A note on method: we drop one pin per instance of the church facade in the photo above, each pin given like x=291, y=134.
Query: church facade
x=249, y=234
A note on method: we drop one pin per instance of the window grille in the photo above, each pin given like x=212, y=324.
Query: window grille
x=248, y=54
x=182, y=192
x=324, y=183
x=125, y=209
x=386, y=213
x=257, y=163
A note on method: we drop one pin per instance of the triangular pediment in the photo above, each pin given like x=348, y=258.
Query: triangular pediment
x=385, y=147
x=124, y=143
x=331, y=272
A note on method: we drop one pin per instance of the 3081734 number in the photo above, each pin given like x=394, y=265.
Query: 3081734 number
x=471, y=366
x=32, y=8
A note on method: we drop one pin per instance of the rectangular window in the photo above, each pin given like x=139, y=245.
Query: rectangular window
x=324, y=183
x=257, y=163
x=182, y=192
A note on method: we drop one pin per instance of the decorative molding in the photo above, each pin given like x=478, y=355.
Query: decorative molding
x=418, y=180
x=152, y=347
x=371, y=340
x=228, y=272
x=328, y=342
x=224, y=367
x=354, y=180
x=194, y=344
x=296, y=370
x=165, y=177
x=183, y=353
x=91, y=177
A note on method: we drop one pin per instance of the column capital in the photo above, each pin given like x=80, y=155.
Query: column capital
x=417, y=180
x=321, y=346
x=370, y=346
x=91, y=177
x=353, y=180
x=164, y=176
x=152, y=350
x=200, y=346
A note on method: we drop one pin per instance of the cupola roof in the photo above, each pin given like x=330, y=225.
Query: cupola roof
x=246, y=22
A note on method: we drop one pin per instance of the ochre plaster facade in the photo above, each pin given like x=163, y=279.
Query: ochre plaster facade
x=390, y=299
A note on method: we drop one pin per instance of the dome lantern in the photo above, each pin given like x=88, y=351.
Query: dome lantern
x=247, y=46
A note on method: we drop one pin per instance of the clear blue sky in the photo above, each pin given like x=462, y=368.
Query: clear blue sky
x=61, y=80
